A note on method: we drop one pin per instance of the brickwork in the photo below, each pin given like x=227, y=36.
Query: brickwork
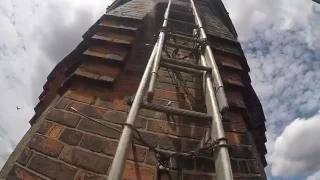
x=106, y=71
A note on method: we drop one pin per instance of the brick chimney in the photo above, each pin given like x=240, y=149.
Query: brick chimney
x=100, y=75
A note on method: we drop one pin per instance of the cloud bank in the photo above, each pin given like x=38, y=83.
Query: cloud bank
x=281, y=40
x=297, y=149
x=34, y=36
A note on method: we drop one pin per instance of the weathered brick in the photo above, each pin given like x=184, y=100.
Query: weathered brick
x=234, y=166
x=166, y=86
x=194, y=85
x=169, y=143
x=88, y=110
x=241, y=152
x=253, y=166
x=194, y=121
x=99, y=144
x=44, y=127
x=205, y=164
x=115, y=96
x=151, y=139
x=237, y=139
x=46, y=145
x=151, y=158
x=137, y=172
x=126, y=86
x=233, y=117
x=187, y=145
x=71, y=136
x=100, y=68
x=62, y=103
x=96, y=128
x=51, y=168
x=165, y=79
x=107, y=79
x=19, y=173
x=108, y=147
x=86, y=160
x=55, y=131
x=25, y=156
x=64, y=118
x=79, y=96
x=175, y=129
x=83, y=175
x=235, y=99
x=228, y=61
x=186, y=77
x=168, y=95
x=171, y=175
x=158, y=126
x=234, y=127
x=117, y=104
x=243, y=167
x=84, y=73
x=173, y=119
x=121, y=117
x=150, y=113
x=197, y=177
x=132, y=79
x=136, y=153
x=182, y=162
x=231, y=78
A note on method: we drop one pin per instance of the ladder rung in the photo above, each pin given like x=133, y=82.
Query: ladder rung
x=182, y=16
x=187, y=38
x=182, y=12
x=179, y=46
x=180, y=33
x=183, y=22
x=181, y=69
x=176, y=111
x=185, y=64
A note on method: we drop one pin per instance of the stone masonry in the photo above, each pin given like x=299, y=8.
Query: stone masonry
x=99, y=76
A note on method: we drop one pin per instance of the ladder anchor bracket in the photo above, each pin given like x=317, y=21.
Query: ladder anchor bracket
x=216, y=143
x=204, y=44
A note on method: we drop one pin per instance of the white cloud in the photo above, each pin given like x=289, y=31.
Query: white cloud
x=281, y=41
x=297, y=149
x=315, y=176
x=34, y=36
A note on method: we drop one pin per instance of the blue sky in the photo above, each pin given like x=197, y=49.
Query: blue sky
x=280, y=38
x=281, y=41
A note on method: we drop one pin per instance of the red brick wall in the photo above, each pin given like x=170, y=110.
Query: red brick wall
x=62, y=144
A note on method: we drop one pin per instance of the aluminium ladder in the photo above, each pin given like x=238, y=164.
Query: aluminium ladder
x=215, y=98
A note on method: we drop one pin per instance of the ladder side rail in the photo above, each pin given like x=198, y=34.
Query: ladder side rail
x=220, y=93
x=221, y=154
x=156, y=64
x=119, y=159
